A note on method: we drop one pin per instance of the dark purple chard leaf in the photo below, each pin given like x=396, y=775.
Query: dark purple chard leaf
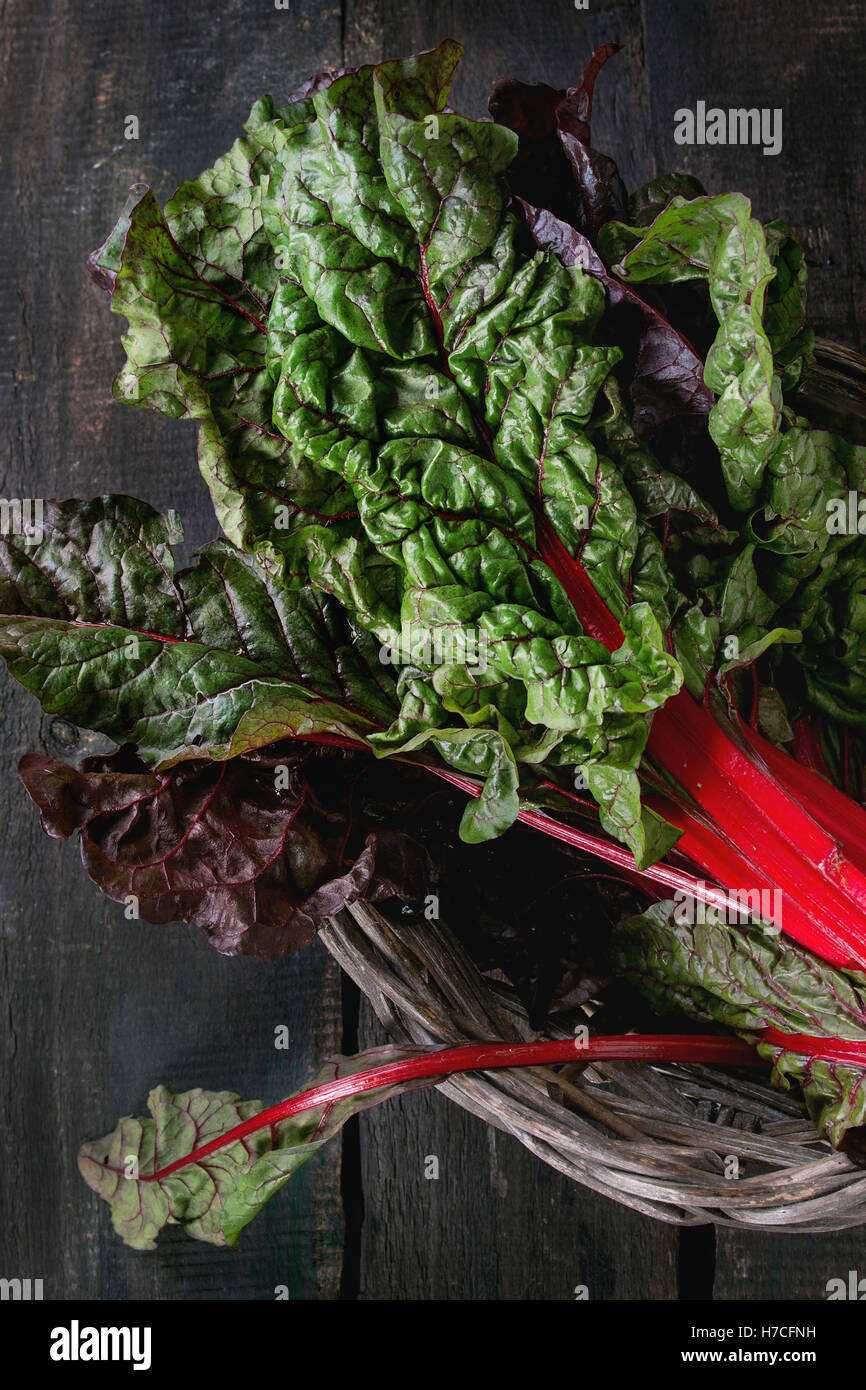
x=556, y=167
x=256, y=851
x=574, y=112
x=540, y=172
x=666, y=381
x=600, y=188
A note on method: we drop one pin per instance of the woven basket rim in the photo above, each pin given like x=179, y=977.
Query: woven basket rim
x=658, y=1138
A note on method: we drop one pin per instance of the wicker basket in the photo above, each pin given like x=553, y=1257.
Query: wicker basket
x=656, y=1138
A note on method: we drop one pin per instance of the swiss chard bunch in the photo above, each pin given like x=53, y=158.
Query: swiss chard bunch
x=394, y=399
x=514, y=489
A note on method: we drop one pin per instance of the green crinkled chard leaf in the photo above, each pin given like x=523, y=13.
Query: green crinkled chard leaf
x=215, y=1197
x=196, y=348
x=172, y=699
x=791, y=338
x=104, y=561
x=392, y=390
x=785, y=480
x=219, y=659
x=784, y=579
x=790, y=584
x=718, y=239
x=747, y=977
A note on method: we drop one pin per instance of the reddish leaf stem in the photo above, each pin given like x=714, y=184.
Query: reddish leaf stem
x=676, y=880
x=769, y=832
x=840, y=1050
x=491, y=1056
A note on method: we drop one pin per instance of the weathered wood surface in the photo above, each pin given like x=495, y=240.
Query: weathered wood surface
x=96, y=1009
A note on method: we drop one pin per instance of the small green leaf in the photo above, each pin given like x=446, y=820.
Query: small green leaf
x=217, y=1195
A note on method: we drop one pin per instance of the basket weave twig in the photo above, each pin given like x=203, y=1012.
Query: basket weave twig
x=656, y=1138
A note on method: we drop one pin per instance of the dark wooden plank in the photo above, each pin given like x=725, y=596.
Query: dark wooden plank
x=808, y=60
x=96, y=1009
x=497, y=1223
x=763, y=1265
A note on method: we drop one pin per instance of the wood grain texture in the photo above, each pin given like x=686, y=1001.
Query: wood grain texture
x=808, y=60
x=96, y=1009
x=496, y=1224
x=767, y=1266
